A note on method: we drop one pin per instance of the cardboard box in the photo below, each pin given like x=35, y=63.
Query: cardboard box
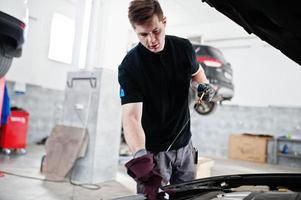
x=204, y=167
x=248, y=146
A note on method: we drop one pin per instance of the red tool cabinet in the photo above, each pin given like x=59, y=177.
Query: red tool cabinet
x=13, y=134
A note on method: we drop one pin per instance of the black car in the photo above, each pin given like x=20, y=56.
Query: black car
x=13, y=26
x=235, y=187
x=276, y=22
x=219, y=74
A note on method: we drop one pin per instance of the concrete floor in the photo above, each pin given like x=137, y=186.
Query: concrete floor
x=19, y=188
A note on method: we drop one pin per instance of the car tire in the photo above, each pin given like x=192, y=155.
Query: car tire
x=205, y=108
x=5, y=61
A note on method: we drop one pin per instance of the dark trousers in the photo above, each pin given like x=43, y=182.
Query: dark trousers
x=175, y=166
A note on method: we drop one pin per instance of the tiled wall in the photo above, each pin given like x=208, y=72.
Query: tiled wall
x=210, y=133
x=44, y=106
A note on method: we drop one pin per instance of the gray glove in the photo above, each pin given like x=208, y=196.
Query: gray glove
x=140, y=153
x=208, y=91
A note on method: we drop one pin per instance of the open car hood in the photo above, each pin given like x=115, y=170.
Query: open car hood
x=276, y=22
x=285, y=186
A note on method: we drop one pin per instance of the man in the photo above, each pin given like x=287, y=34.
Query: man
x=154, y=82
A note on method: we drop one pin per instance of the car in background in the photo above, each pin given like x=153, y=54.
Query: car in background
x=220, y=75
x=13, y=26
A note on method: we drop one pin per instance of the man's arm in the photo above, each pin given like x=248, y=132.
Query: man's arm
x=132, y=127
x=141, y=167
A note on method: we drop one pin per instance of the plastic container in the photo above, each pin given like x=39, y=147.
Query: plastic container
x=13, y=135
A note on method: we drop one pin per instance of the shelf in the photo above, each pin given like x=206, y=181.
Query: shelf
x=288, y=155
x=288, y=140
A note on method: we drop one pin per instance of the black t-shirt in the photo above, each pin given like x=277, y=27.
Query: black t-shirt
x=161, y=81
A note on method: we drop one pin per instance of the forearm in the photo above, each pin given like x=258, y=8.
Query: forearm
x=134, y=134
x=199, y=77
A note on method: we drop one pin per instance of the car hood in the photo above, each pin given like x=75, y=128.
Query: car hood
x=240, y=186
x=276, y=22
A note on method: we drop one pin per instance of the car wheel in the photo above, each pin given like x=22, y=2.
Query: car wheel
x=205, y=108
x=5, y=61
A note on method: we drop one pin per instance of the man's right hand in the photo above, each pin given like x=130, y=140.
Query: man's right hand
x=141, y=168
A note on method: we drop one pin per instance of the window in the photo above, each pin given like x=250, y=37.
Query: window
x=61, y=38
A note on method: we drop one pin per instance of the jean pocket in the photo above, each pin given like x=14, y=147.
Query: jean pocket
x=195, y=155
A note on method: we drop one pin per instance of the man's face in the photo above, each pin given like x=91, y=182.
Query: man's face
x=152, y=34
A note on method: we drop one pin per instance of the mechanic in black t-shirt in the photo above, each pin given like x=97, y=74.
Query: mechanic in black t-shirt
x=154, y=78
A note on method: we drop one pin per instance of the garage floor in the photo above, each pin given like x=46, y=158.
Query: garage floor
x=14, y=187
x=19, y=188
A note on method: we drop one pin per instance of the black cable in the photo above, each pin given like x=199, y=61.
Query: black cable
x=30, y=177
x=87, y=186
x=82, y=185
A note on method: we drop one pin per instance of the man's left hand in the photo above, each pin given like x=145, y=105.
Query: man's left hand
x=206, y=90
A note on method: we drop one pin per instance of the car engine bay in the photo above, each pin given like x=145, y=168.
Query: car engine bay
x=247, y=193
x=240, y=187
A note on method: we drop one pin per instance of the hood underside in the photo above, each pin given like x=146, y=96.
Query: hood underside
x=276, y=22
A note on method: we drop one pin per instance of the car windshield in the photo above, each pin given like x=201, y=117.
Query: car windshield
x=209, y=51
x=216, y=53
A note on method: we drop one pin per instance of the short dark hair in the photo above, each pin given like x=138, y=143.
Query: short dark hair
x=141, y=11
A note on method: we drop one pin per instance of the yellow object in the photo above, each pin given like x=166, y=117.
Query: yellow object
x=204, y=167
